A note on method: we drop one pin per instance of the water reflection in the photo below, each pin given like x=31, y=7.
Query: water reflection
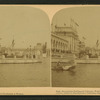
x=25, y=75
x=72, y=72
x=84, y=75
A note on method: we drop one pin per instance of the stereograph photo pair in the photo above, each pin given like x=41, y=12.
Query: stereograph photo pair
x=49, y=49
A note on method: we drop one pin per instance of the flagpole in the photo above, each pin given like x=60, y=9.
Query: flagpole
x=97, y=44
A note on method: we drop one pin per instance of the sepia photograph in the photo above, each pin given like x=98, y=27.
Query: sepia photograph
x=75, y=47
x=24, y=47
x=49, y=50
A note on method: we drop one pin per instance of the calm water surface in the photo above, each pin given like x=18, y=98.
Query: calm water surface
x=13, y=75
x=84, y=75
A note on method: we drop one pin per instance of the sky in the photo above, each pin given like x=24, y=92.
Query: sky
x=88, y=19
x=26, y=25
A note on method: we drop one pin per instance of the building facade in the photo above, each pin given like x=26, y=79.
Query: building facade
x=32, y=52
x=64, y=40
x=59, y=45
x=71, y=35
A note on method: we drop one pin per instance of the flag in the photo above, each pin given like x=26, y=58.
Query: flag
x=55, y=26
x=51, y=24
x=76, y=23
x=84, y=38
x=44, y=47
x=13, y=43
x=64, y=24
x=73, y=22
x=97, y=43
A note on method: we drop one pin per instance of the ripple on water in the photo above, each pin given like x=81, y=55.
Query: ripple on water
x=84, y=75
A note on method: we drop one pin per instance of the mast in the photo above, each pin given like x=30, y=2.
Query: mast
x=97, y=44
x=13, y=43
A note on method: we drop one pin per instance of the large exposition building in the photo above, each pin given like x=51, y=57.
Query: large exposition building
x=64, y=39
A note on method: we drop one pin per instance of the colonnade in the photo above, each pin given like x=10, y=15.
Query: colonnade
x=58, y=44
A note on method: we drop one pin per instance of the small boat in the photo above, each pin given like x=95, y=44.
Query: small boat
x=68, y=66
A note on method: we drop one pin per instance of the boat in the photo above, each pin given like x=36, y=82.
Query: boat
x=69, y=67
x=66, y=66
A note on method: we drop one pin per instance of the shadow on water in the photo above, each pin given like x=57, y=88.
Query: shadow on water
x=72, y=72
x=58, y=70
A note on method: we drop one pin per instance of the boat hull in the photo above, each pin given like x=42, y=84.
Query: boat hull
x=66, y=68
